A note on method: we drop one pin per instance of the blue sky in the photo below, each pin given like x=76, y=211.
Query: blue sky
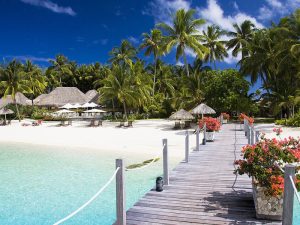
x=86, y=30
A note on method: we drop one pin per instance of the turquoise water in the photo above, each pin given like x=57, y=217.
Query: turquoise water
x=296, y=213
x=41, y=185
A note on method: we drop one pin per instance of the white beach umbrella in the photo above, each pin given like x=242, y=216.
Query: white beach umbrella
x=93, y=105
x=94, y=111
x=67, y=106
x=76, y=106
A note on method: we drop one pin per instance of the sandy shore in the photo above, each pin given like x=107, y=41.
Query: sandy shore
x=145, y=138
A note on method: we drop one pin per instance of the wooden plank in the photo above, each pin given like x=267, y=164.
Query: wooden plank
x=200, y=191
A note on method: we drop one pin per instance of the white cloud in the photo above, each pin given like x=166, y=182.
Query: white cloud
x=29, y=57
x=51, y=6
x=236, y=6
x=133, y=40
x=214, y=14
x=275, y=8
x=162, y=10
x=101, y=41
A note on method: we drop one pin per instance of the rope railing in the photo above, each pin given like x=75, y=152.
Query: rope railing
x=89, y=201
x=295, y=189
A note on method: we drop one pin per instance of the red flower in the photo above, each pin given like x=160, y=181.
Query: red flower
x=212, y=124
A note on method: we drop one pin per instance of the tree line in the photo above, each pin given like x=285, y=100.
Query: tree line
x=127, y=82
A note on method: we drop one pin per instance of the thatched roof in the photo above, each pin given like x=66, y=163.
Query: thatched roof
x=92, y=96
x=4, y=111
x=203, y=109
x=39, y=98
x=61, y=96
x=181, y=115
x=20, y=100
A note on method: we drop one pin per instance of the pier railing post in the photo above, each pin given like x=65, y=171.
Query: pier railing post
x=221, y=117
x=120, y=193
x=249, y=134
x=197, y=139
x=245, y=126
x=288, y=197
x=204, y=134
x=256, y=136
x=252, y=135
x=165, y=162
x=187, y=147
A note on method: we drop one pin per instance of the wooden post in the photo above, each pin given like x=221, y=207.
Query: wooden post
x=256, y=136
x=248, y=134
x=245, y=126
x=197, y=140
x=288, y=198
x=252, y=135
x=221, y=119
x=120, y=194
x=165, y=162
x=187, y=147
x=204, y=135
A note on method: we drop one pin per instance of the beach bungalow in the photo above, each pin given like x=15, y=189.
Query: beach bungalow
x=92, y=96
x=39, y=98
x=20, y=100
x=61, y=96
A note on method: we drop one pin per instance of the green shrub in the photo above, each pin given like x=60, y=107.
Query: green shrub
x=292, y=122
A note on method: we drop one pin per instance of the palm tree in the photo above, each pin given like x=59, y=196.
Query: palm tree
x=241, y=38
x=153, y=44
x=184, y=34
x=36, y=80
x=117, y=86
x=123, y=55
x=60, y=68
x=12, y=81
x=211, y=40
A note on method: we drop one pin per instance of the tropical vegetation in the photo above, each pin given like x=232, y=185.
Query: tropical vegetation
x=155, y=88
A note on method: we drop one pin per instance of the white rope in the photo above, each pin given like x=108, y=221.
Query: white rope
x=145, y=166
x=295, y=189
x=89, y=201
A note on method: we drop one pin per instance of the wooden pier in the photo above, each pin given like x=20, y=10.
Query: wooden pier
x=200, y=191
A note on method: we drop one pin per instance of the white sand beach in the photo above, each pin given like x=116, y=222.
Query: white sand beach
x=145, y=138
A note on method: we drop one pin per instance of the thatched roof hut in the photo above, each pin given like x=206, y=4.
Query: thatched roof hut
x=39, y=98
x=203, y=109
x=61, y=96
x=181, y=115
x=20, y=100
x=92, y=96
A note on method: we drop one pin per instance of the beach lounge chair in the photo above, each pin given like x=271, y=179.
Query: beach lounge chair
x=69, y=122
x=100, y=123
x=121, y=124
x=187, y=124
x=177, y=125
x=129, y=124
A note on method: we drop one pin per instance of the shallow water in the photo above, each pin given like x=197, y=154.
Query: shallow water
x=41, y=185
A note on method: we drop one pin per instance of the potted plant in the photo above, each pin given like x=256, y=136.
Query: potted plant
x=212, y=125
x=261, y=162
x=226, y=117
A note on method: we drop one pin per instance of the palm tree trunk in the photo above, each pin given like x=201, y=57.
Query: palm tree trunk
x=17, y=109
x=186, y=64
x=113, y=105
x=154, y=77
x=125, y=111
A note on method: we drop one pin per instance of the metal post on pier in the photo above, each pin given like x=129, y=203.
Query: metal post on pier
x=256, y=136
x=221, y=117
x=120, y=193
x=197, y=140
x=288, y=195
x=249, y=134
x=252, y=135
x=165, y=162
x=245, y=126
x=187, y=147
x=204, y=134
